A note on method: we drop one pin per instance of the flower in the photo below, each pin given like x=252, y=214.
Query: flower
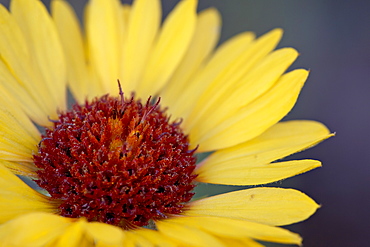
x=119, y=170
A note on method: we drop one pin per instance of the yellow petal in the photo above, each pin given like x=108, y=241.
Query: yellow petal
x=255, y=118
x=19, y=78
x=43, y=43
x=280, y=140
x=35, y=229
x=272, y=206
x=244, y=90
x=219, y=62
x=104, y=28
x=240, y=229
x=246, y=174
x=73, y=236
x=72, y=42
x=249, y=163
x=27, y=169
x=206, y=36
x=187, y=235
x=144, y=22
x=19, y=137
x=105, y=235
x=133, y=240
x=17, y=198
x=240, y=242
x=170, y=47
x=16, y=94
x=126, y=9
x=155, y=237
x=232, y=75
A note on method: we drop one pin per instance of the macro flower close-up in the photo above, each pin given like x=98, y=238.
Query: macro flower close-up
x=108, y=127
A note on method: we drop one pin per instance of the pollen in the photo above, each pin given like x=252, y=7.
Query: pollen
x=117, y=161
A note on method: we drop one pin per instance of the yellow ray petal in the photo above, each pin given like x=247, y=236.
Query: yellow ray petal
x=104, y=28
x=248, y=163
x=19, y=137
x=126, y=9
x=35, y=229
x=144, y=22
x=272, y=206
x=245, y=174
x=72, y=42
x=240, y=229
x=206, y=36
x=256, y=117
x=15, y=147
x=47, y=55
x=16, y=198
x=172, y=42
x=133, y=240
x=9, y=105
x=27, y=169
x=279, y=141
x=227, y=79
x=188, y=236
x=18, y=77
x=17, y=95
x=155, y=237
x=240, y=242
x=220, y=60
x=243, y=91
x=73, y=236
x=104, y=234
x=19, y=134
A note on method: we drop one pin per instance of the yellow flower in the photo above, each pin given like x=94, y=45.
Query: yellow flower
x=112, y=165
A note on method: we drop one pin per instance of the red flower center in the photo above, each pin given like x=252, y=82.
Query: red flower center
x=116, y=161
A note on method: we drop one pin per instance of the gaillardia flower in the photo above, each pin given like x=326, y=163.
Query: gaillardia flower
x=118, y=167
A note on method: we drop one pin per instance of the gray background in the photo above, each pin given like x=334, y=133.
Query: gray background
x=333, y=38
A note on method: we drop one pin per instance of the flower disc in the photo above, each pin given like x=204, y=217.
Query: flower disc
x=116, y=161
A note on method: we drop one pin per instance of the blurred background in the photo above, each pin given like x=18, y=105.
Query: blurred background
x=333, y=38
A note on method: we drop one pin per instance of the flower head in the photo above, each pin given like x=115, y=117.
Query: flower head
x=119, y=166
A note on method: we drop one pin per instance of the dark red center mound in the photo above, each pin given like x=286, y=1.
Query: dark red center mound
x=116, y=161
